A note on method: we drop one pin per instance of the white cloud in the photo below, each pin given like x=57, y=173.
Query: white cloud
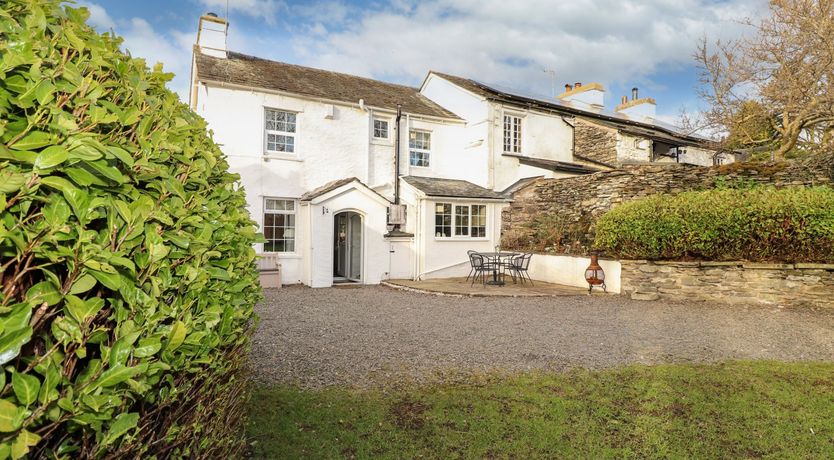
x=264, y=9
x=323, y=12
x=509, y=43
x=98, y=16
x=172, y=48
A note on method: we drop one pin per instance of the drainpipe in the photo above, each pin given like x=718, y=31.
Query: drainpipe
x=368, y=135
x=397, y=158
x=418, y=240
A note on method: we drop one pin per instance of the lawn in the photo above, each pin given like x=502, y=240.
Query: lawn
x=745, y=409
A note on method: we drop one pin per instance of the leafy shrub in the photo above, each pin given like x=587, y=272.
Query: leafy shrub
x=758, y=224
x=127, y=275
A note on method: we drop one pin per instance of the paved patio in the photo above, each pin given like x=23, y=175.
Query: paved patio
x=459, y=286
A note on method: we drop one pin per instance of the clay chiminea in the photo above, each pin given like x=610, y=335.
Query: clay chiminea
x=594, y=275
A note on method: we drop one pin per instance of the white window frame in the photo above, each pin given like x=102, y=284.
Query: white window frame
x=387, y=122
x=517, y=135
x=454, y=227
x=284, y=212
x=426, y=152
x=293, y=135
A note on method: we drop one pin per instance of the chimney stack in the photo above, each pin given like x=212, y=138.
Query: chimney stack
x=211, y=35
x=588, y=97
x=636, y=108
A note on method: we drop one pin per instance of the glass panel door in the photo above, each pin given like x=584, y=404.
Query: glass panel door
x=355, y=251
x=340, y=247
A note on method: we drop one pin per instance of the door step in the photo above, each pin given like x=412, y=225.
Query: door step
x=349, y=285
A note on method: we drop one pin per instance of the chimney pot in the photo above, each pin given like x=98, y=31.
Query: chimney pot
x=634, y=93
x=577, y=85
x=624, y=100
x=568, y=88
x=214, y=15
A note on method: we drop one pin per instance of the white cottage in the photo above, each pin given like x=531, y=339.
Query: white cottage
x=356, y=180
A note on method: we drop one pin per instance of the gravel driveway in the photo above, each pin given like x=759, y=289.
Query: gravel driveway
x=378, y=335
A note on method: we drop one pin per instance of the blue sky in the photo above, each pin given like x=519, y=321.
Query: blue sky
x=618, y=43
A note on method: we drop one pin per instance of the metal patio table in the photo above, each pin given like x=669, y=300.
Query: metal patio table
x=494, y=258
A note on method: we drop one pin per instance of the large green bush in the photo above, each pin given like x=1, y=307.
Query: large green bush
x=127, y=275
x=757, y=224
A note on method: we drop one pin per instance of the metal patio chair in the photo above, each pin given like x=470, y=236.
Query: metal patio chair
x=481, y=267
x=519, y=265
x=471, y=263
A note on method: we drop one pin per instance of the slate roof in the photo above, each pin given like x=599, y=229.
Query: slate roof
x=451, y=188
x=245, y=70
x=656, y=130
x=554, y=165
x=519, y=184
x=330, y=186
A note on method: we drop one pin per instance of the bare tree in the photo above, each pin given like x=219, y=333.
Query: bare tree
x=774, y=89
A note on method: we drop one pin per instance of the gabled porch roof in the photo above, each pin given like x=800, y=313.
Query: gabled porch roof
x=337, y=187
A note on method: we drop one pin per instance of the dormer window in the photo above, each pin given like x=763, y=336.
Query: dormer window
x=380, y=128
x=512, y=134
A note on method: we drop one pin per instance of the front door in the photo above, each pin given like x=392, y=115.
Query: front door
x=347, y=247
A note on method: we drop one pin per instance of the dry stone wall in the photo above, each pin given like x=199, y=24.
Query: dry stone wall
x=730, y=282
x=581, y=200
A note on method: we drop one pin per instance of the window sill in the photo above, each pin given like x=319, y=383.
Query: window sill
x=382, y=141
x=425, y=168
x=458, y=239
x=278, y=156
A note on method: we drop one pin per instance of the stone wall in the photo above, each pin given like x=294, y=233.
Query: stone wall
x=581, y=200
x=730, y=282
x=595, y=142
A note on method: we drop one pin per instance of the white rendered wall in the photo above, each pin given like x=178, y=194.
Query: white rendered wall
x=544, y=136
x=469, y=106
x=446, y=257
x=326, y=150
x=450, y=158
x=570, y=271
x=472, y=155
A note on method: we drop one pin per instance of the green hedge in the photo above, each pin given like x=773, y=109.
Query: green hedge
x=127, y=276
x=757, y=224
